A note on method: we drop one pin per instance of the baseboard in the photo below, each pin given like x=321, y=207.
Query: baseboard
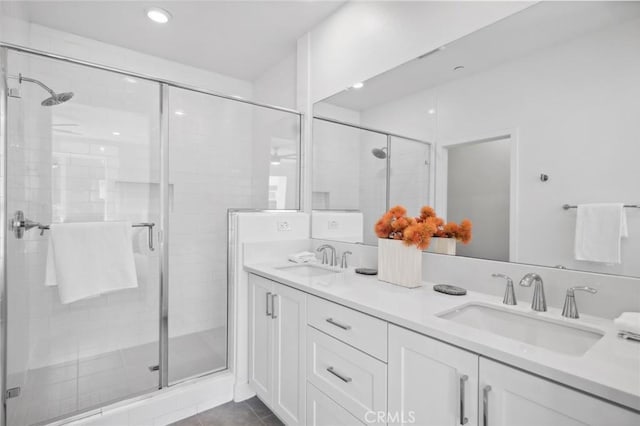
x=242, y=391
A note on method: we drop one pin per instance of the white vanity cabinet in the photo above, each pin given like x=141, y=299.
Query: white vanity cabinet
x=430, y=382
x=320, y=363
x=511, y=397
x=277, y=346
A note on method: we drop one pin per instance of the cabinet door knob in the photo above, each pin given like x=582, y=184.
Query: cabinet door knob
x=463, y=380
x=485, y=405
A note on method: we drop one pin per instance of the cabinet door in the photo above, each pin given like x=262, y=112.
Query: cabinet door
x=511, y=397
x=430, y=383
x=324, y=411
x=289, y=312
x=260, y=336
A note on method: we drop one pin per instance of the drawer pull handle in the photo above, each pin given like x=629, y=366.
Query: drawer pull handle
x=338, y=375
x=463, y=379
x=269, y=300
x=273, y=306
x=337, y=324
x=485, y=405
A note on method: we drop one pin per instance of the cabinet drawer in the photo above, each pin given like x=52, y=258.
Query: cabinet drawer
x=360, y=330
x=324, y=411
x=353, y=379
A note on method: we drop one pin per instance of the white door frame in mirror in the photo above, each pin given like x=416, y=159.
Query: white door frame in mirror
x=441, y=149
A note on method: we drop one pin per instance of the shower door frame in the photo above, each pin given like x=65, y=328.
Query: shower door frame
x=163, y=231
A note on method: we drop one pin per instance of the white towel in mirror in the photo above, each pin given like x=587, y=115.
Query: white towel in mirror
x=599, y=231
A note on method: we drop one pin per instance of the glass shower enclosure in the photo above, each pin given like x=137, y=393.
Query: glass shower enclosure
x=119, y=147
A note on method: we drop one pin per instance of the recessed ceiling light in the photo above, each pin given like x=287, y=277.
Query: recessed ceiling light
x=432, y=111
x=458, y=68
x=180, y=112
x=442, y=47
x=358, y=85
x=130, y=80
x=102, y=149
x=158, y=15
x=275, y=162
x=115, y=133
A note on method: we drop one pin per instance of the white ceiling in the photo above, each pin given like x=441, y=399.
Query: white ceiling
x=241, y=39
x=537, y=27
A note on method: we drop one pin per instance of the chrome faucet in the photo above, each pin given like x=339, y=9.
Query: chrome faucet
x=539, y=303
x=323, y=248
x=343, y=263
x=570, y=309
x=509, y=293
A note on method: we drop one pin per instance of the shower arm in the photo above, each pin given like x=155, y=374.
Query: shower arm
x=21, y=78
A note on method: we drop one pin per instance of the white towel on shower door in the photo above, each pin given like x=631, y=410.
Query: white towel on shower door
x=90, y=259
x=599, y=231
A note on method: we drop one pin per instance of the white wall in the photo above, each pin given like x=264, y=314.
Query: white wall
x=277, y=85
x=35, y=36
x=363, y=39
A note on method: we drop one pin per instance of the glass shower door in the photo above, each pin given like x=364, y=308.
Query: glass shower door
x=223, y=154
x=93, y=157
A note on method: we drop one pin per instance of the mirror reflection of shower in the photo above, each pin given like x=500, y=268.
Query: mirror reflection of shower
x=379, y=153
x=54, y=99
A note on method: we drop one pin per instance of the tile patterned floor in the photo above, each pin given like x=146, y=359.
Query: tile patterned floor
x=64, y=389
x=251, y=412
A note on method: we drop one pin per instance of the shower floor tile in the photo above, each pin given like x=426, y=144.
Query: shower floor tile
x=61, y=390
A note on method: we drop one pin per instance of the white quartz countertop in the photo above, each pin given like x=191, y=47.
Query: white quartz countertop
x=610, y=369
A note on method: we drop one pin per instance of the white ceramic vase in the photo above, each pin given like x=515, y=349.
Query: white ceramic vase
x=399, y=264
x=442, y=246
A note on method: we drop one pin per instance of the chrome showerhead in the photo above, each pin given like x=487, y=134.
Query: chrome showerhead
x=57, y=99
x=379, y=153
x=54, y=99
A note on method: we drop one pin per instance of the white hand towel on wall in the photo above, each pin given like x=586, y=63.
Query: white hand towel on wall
x=599, y=230
x=90, y=259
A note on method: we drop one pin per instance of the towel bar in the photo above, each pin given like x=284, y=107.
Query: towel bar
x=631, y=206
x=19, y=224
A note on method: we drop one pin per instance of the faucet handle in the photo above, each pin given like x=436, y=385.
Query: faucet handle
x=323, y=249
x=591, y=290
x=343, y=263
x=570, y=308
x=506, y=277
x=509, y=293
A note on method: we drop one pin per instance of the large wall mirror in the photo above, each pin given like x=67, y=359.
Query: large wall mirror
x=505, y=127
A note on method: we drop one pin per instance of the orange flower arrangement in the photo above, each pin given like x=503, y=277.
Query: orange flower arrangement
x=417, y=231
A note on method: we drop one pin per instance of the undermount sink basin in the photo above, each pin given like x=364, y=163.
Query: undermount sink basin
x=542, y=332
x=308, y=270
